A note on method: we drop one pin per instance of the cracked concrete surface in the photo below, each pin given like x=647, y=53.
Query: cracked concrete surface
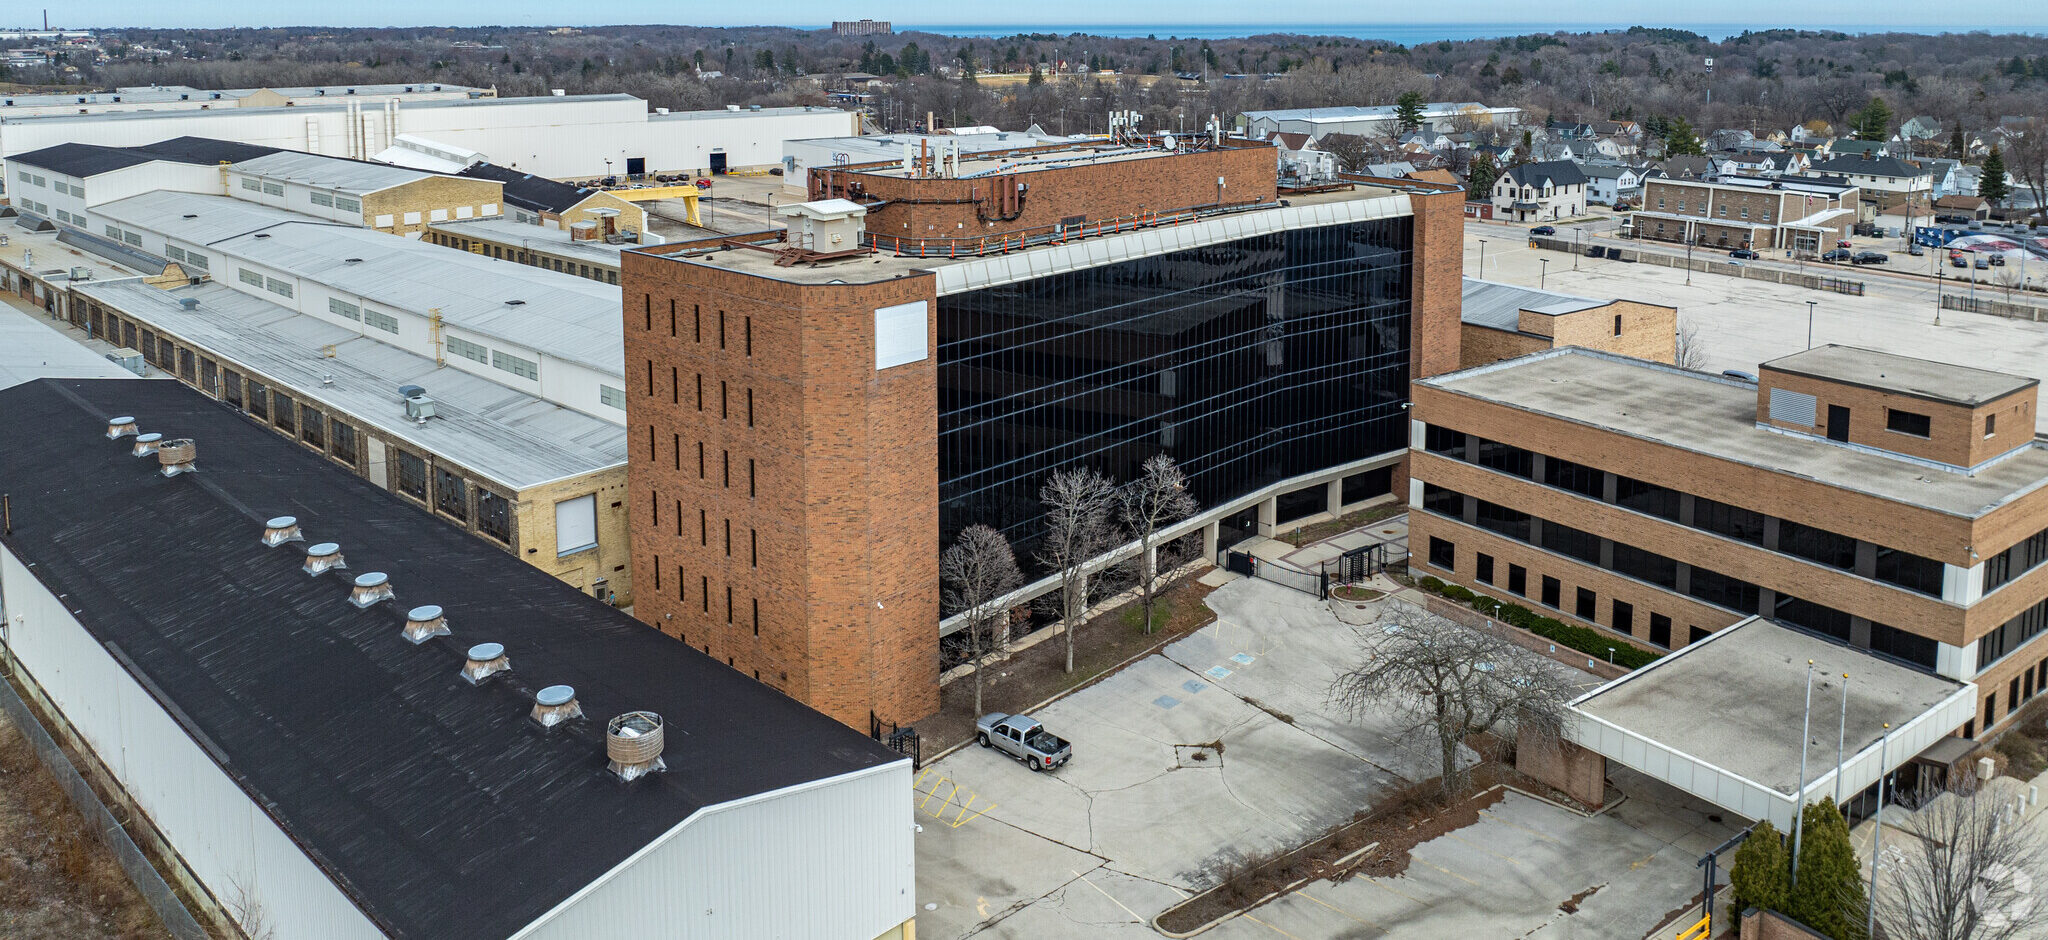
x=1131, y=826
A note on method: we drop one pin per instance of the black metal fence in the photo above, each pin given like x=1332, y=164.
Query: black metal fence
x=177, y=920
x=1315, y=583
x=904, y=741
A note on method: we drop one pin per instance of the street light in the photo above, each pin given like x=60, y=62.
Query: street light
x=1482, y=259
x=1809, y=323
x=1544, y=276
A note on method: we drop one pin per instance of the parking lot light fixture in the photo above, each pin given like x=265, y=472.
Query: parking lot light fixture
x=1809, y=322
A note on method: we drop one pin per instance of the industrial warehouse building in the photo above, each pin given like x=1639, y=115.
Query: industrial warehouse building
x=431, y=741
x=1887, y=503
x=558, y=137
x=188, y=98
x=811, y=421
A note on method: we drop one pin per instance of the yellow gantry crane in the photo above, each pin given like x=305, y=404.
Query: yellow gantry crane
x=687, y=192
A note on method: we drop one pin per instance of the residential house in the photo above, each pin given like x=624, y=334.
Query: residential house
x=1532, y=192
x=1943, y=171
x=1850, y=147
x=1973, y=206
x=1878, y=176
x=1728, y=138
x=1609, y=184
x=1921, y=127
x=1687, y=168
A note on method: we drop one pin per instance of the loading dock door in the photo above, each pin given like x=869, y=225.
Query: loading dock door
x=717, y=163
x=636, y=166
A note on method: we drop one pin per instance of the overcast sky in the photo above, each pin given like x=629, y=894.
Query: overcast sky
x=1918, y=14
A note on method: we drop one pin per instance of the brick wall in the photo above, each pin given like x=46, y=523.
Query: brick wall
x=1955, y=432
x=1439, y=282
x=1581, y=774
x=426, y=195
x=836, y=537
x=1479, y=345
x=1098, y=191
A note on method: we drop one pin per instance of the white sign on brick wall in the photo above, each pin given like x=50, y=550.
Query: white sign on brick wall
x=900, y=335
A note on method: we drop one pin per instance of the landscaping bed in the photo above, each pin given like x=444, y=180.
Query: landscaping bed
x=1308, y=534
x=1034, y=675
x=1377, y=843
x=1583, y=639
x=1352, y=592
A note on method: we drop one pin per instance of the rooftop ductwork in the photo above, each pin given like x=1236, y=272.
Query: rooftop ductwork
x=633, y=743
x=322, y=558
x=370, y=588
x=146, y=444
x=282, y=529
x=424, y=623
x=554, y=705
x=178, y=456
x=120, y=427
x=485, y=660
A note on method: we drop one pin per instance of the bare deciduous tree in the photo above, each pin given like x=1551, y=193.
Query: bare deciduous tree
x=977, y=569
x=1449, y=682
x=1969, y=868
x=1080, y=524
x=1156, y=499
x=1691, y=350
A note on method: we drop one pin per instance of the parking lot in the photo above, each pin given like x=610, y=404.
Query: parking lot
x=1222, y=745
x=1743, y=322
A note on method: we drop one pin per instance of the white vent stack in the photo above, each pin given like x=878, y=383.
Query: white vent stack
x=120, y=427
x=146, y=444
x=322, y=558
x=370, y=588
x=633, y=743
x=282, y=529
x=178, y=456
x=424, y=623
x=485, y=660
x=554, y=705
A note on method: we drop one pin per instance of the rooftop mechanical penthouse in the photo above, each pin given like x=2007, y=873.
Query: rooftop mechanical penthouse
x=813, y=415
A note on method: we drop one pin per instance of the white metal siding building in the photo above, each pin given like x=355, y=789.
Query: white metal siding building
x=557, y=137
x=304, y=760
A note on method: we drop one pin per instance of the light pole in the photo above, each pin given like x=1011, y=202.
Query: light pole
x=1939, y=276
x=1877, y=834
x=1799, y=799
x=1841, y=738
x=1809, y=322
x=1543, y=277
x=1482, y=259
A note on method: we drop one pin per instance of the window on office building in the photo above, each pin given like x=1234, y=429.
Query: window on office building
x=385, y=322
x=1660, y=630
x=1646, y=497
x=1734, y=522
x=1576, y=543
x=1506, y=458
x=312, y=426
x=1443, y=553
x=1623, y=618
x=1906, y=422
x=1440, y=500
x=283, y=412
x=1553, y=591
x=1576, y=477
x=1588, y=604
x=1482, y=568
x=1819, y=545
x=1909, y=571
x=1646, y=566
x=1518, y=580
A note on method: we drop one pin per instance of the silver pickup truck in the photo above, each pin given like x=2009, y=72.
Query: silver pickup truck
x=1022, y=737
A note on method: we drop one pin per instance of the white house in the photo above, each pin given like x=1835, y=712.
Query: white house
x=1879, y=174
x=1608, y=184
x=1533, y=192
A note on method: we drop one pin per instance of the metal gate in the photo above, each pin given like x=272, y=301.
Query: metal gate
x=903, y=741
x=1316, y=583
x=1359, y=564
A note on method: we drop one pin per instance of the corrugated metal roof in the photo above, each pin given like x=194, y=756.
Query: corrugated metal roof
x=507, y=436
x=1500, y=306
x=30, y=350
x=537, y=237
x=349, y=176
x=196, y=218
x=560, y=315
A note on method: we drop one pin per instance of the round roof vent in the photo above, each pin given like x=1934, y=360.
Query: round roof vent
x=370, y=587
x=150, y=438
x=486, y=651
x=281, y=522
x=554, y=705
x=191, y=215
x=515, y=303
x=322, y=558
x=262, y=234
x=120, y=427
x=425, y=622
x=555, y=695
x=322, y=548
x=485, y=660
x=424, y=612
x=147, y=444
x=352, y=260
x=282, y=529
x=372, y=579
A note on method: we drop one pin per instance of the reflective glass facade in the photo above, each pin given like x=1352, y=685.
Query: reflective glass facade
x=1248, y=362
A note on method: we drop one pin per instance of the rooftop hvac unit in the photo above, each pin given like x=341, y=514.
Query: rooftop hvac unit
x=126, y=358
x=410, y=391
x=420, y=408
x=81, y=274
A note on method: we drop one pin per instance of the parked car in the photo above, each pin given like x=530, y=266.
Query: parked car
x=1958, y=259
x=1745, y=254
x=1952, y=220
x=1915, y=250
x=1544, y=230
x=702, y=184
x=1997, y=261
x=1022, y=737
x=1983, y=263
x=1835, y=254
x=1870, y=257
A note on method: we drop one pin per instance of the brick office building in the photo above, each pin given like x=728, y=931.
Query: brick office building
x=1889, y=503
x=1806, y=213
x=1502, y=321
x=810, y=421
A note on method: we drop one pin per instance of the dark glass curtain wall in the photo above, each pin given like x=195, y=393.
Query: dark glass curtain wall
x=1249, y=362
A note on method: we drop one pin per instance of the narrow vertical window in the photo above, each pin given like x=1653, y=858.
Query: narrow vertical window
x=723, y=411
x=647, y=302
x=682, y=586
x=728, y=538
x=700, y=391
x=697, y=313
x=726, y=456
x=654, y=504
x=700, y=460
x=728, y=603
x=750, y=478
x=750, y=335
x=675, y=387
x=679, y=518
x=678, y=441
x=750, y=411
x=650, y=442
x=757, y=618
x=704, y=595
x=657, y=572
x=703, y=527
x=721, y=329
x=671, y=316
x=650, y=378
x=753, y=549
